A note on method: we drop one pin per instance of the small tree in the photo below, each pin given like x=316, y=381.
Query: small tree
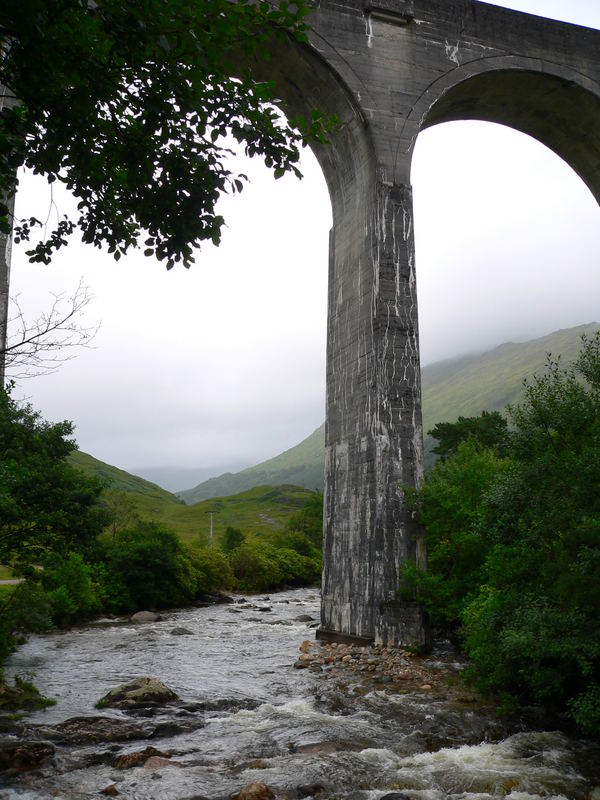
x=45, y=503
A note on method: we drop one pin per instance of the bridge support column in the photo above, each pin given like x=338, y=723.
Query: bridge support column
x=374, y=429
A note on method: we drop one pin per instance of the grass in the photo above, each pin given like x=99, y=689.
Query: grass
x=6, y=591
x=6, y=573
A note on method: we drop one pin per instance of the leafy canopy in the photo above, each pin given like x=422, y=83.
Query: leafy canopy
x=514, y=546
x=127, y=104
x=45, y=504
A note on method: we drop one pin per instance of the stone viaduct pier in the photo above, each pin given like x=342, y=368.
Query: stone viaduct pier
x=389, y=69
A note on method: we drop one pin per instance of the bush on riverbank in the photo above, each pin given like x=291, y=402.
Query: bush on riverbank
x=514, y=546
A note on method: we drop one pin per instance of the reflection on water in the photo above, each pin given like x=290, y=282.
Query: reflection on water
x=246, y=715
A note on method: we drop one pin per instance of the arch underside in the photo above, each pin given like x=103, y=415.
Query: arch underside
x=557, y=112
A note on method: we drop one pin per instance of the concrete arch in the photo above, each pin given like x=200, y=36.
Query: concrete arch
x=304, y=81
x=557, y=106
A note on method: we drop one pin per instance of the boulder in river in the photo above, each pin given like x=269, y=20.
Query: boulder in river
x=181, y=632
x=88, y=730
x=22, y=756
x=138, y=758
x=254, y=791
x=137, y=693
x=145, y=616
x=304, y=618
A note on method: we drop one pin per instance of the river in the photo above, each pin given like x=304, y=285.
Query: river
x=246, y=715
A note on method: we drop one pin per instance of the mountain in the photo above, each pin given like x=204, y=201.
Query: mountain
x=173, y=478
x=463, y=386
x=301, y=465
x=119, y=479
x=264, y=509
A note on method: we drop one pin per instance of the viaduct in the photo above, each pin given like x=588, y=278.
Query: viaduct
x=389, y=69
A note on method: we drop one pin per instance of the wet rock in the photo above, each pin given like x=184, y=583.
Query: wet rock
x=254, y=791
x=139, y=692
x=310, y=789
x=145, y=616
x=158, y=762
x=23, y=756
x=88, y=730
x=316, y=748
x=130, y=760
x=395, y=796
x=205, y=599
x=229, y=704
x=181, y=632
x=301, y=664
x=304, y=618
x=306, y=646
x=110, y=791
x=266, y=609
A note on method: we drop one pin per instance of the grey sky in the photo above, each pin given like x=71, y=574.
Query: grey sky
x=224, y=364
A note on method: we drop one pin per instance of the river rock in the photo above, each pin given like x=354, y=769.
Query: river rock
x=395, y=796
x=23, y=756
x=136, y=759
x=145, y=616
x=254, y=791
x=181, y=632
x=139, y=692
x=310, y=789
x=158, y=762
x=110, y=790
x=304, y=618
x=88, y=730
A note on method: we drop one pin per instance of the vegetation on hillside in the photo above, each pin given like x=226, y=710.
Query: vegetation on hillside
x=513, y=536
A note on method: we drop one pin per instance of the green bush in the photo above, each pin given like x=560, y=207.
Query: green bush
x=70, y=589
x=152, y=566
x=514, y=546
x=232, y=538
x=213, y=570
x=255, y=566
x=309, y=520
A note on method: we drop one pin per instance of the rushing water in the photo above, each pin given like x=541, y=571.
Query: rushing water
x=246, y=715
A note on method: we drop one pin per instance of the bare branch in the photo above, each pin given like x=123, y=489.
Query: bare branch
x=42, y=346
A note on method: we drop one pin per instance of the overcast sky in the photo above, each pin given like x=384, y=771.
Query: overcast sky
x=223, y=365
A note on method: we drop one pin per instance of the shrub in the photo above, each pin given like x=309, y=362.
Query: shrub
x=212, y=567
x=70, y=590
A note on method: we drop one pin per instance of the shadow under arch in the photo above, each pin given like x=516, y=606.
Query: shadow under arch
x=559, y=108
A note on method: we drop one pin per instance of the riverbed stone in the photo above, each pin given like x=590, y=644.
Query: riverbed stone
x=254, y=791
x=89, y=730
x=145, y=616
x=159, y=762
x=23, y=756
x=137, y=693
x=137, y=758
x=181, y=632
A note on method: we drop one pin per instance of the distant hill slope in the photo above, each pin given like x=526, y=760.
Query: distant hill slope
x=302, y=465
x=264, y=509
x=119, y=479
x=459, y=387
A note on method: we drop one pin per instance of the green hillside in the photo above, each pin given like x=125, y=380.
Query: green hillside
x=301, y=465
x=459, y=387
x=263, y=509
x=119, y=479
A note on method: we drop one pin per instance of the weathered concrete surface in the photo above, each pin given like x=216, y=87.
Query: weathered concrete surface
x=389, y=69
